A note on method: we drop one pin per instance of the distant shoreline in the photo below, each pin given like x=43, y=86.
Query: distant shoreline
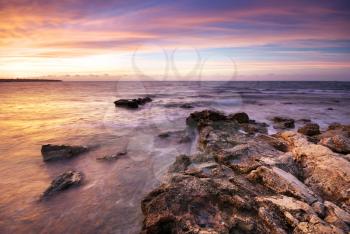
x=29, y=80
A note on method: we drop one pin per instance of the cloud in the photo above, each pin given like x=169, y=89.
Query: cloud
x=299, y=31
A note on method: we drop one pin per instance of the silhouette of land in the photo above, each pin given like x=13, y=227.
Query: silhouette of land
x=29, y=80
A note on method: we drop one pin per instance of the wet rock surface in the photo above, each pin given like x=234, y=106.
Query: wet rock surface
x=310, y=129
x=132, y=103
x=240, y=117
x=112, y=156
x=283, y=122
x=57, y=152
x=250, y=182
x=62, y=182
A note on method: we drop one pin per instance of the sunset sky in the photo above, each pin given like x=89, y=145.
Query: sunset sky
x=252, y=40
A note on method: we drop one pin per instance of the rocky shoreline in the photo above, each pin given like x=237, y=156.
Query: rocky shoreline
x=245, y=181
x=242, y=180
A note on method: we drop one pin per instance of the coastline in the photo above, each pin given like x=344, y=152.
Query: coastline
x=29, y=80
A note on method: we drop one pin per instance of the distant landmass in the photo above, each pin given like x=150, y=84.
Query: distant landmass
x=29, y=80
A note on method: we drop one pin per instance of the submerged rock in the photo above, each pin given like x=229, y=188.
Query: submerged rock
x=113, y=156
x=56, y=152
x=132, y=103
x=63, y=182
x=310, y=129
x=164, y=135
x=186, y=106
x=283, y=122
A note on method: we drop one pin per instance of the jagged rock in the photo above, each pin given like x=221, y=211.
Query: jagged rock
x=337, y=143
x=253, y=128
x=55, y=152
x=240, y=117
x=63, y=182
x=275, y=142
x=113, y=156
x=283, y=123
x=293, y=215
x=325, y=172
x=283, y=183
x=204, y=116
x=337, y=216
x=132, y=103
x=181, y=163
x=310, y=129
x=249, y=183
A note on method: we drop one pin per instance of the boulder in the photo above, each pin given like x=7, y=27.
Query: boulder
x=337, y=143
x=240, y=117
x=132, y=103
x=283, y=122
x=64, y=181
x=55, y=152
x=310, y=129
x=204, y=116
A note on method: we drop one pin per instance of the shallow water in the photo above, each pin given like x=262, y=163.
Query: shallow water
x=83, y=113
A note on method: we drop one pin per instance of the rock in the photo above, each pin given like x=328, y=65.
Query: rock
x=325, y=172
x=334, y=126
x=304, y=120
x=186, y=106
x=274, y=142
x=283, y=123
x=55, y=152
x=240, y=117
x=298, y=216
x=185, y=139
x=310, y=129
x=330, y=108
x=181, y=163
x=249, y=183
x=283, y=183
x=204, y=116
x=113, y=156
x=337, y=143
x=164, y=135
x=62, y=182
x=132, y=103
x=337, y=216
x=253, y=128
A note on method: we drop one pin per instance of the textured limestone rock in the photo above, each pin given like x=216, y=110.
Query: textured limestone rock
x=325, y=171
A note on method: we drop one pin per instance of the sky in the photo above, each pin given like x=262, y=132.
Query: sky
x=181, y=40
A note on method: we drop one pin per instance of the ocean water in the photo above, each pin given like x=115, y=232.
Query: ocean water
x=83, y=113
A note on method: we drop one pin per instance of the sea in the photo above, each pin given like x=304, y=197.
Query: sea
x=83, y=113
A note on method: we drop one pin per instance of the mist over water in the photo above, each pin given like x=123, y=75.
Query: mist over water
x=83, y=113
